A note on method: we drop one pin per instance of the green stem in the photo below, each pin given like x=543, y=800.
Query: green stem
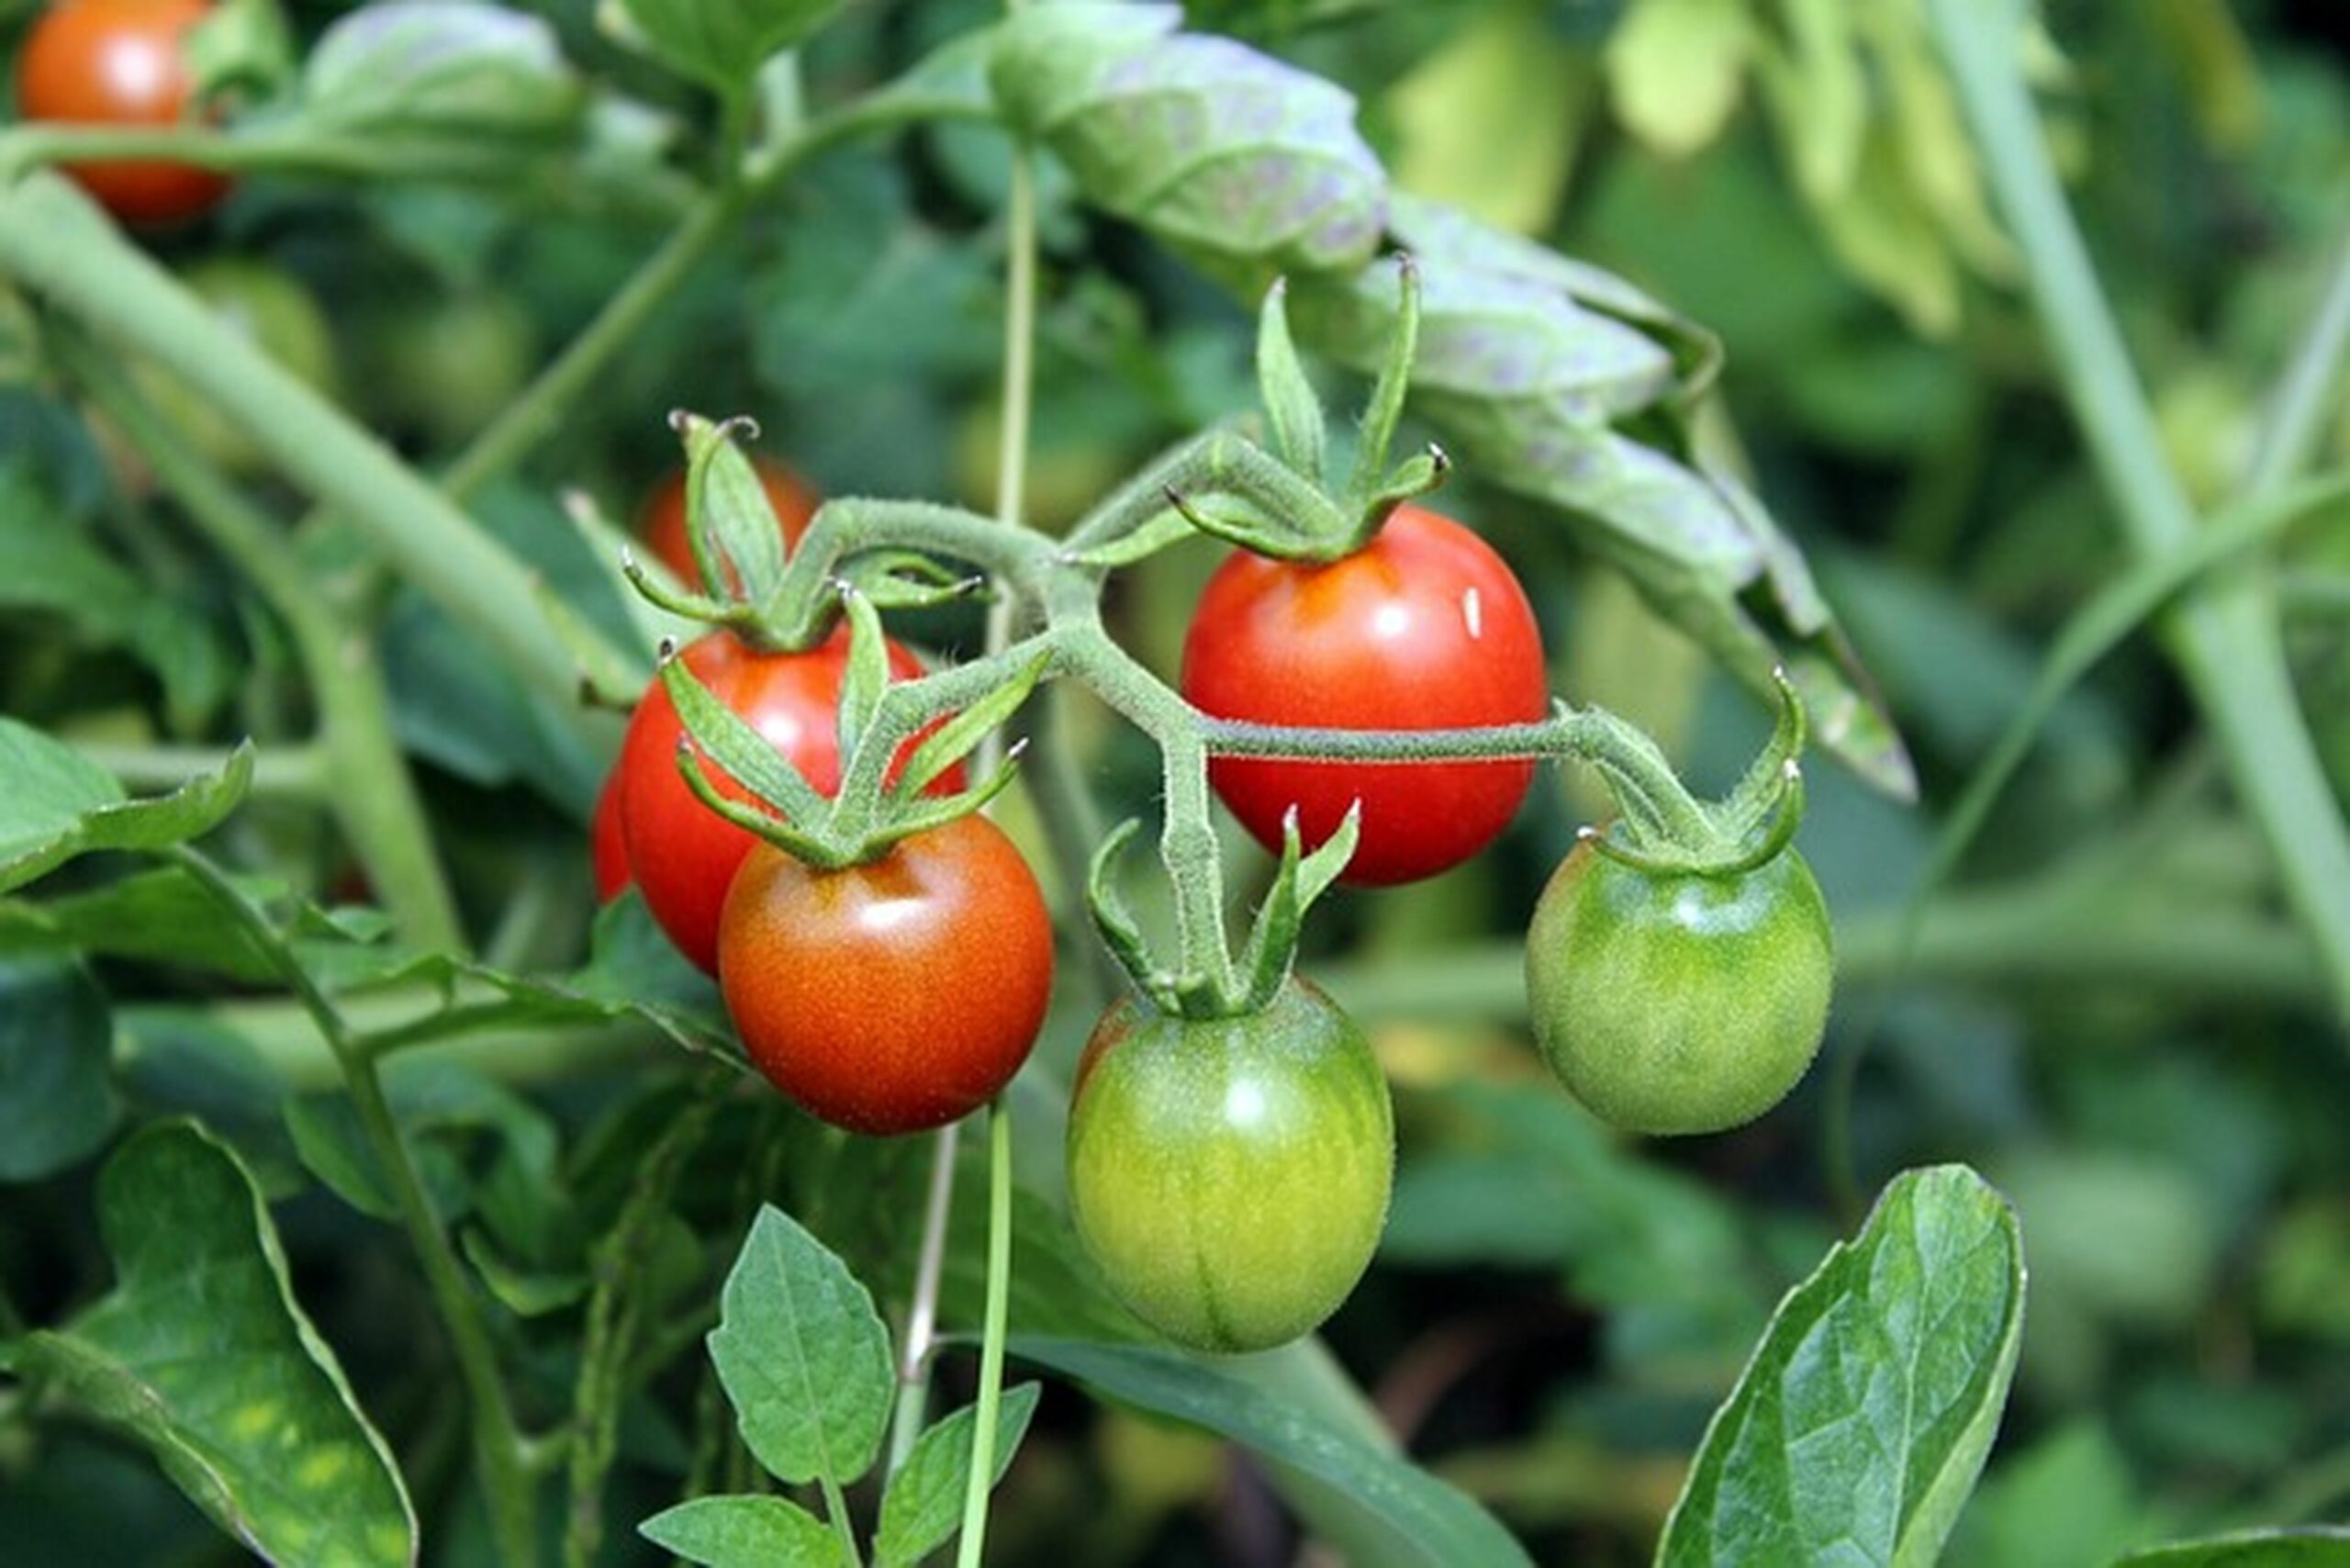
x=498, y=1440
x=2226, y=640
x=362, y=772
x=999, y=1311
x=836, y=1515
x=2295, y=418
x=922, y=1314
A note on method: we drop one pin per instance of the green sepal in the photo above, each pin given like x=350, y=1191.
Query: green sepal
x=1272, y=937
x=1305, y=524
x=1759, y=797
x=717, y=733
x=1386, y=409
x=1290, y=402
x=959, y=736
x=1170, y=527
x=907, y=579
x=737, y=540
x=865, y=678
x=1121, y=933
x=903, y=823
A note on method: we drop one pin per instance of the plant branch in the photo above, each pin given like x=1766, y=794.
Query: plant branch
x=2226, y=640
x=998, y=1314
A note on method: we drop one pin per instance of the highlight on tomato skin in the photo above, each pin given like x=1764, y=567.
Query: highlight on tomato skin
x=683, y=854
x=661, y=522
x=119, y=62
x=896, y=996
x=1426, y=627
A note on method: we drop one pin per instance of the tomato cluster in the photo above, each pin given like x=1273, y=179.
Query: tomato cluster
x=1229, y=1174
x=120, y=63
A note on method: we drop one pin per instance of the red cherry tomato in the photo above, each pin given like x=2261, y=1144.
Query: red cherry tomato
x=1424, y=628
x=683, y=854
x=606, y=846
x=663, y=521
x=118, y=63
x=894, y=996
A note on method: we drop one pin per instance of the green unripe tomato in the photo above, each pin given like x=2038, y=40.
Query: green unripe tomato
x=1230, y=1176
x=1679, y=1004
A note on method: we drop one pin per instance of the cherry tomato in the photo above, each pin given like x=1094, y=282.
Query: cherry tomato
x=682, y=853
x=118, y=63
x=663, y=521
x=607, y=849
x=1679, y=1004
x=1230, y=1176
x=894, y=996
x=1424, y=628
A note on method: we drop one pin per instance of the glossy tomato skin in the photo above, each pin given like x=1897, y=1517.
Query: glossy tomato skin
x=1679, y=1004
x=683, y=854
x=607, y=849
x=1424, y=628
x=1231, y=1176
x=662, y=522
x=895, y=996
x=119, y=62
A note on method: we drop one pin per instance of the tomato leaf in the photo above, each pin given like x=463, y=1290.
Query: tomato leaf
x=923, y=1506
x=1864, y=1417
x=243, y=1403
x=49, y=566
x=803, y=1355
x=1389, y=1509
x=745, y=1532
x=1221, y=151
x=445, y=66
x=59, y=804
x=163, y=917
x=723, y=43
x=2319, y=1545
x=56, y=1106
x=1528, y=362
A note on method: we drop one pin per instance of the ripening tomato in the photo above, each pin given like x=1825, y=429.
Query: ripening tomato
x=1424, y=628
x=1230, y=1176
x=607, y=849
x=683, y=854
x=1679, y=1002
x=118, y=63
x=892, y=996
x=663, y=521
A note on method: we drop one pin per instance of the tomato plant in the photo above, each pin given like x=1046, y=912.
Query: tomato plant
x=894, y=995
x=1424, y=627
x=1231, y=1175
x=119, y=62
x=1679, y=1002
x=684, y=855
x=662, y=520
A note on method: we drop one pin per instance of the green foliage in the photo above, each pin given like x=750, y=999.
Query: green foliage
x=1968, y=361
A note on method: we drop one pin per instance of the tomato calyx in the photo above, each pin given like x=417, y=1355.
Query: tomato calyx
x=881, y=801
x=1328, y=522
x=1664, y=831
x=1231, y=990
x=738, y=545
